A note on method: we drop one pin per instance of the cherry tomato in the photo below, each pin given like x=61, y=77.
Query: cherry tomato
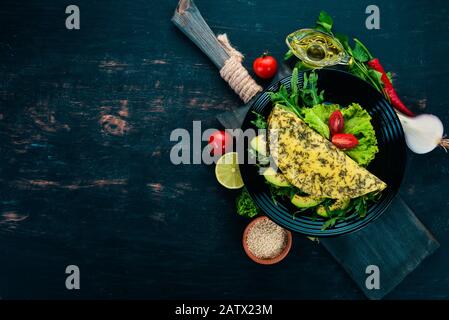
x=265, y=67
x=220, y=141
x=336, y=122
x=344, y=140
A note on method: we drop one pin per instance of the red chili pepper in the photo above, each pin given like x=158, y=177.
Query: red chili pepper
x=344, y=140
x=389, y=89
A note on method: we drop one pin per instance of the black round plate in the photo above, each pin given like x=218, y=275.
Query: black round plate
x=342, y=88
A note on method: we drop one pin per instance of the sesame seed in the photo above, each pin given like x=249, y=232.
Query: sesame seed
x=266, y=240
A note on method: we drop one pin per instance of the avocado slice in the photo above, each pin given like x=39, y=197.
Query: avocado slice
x=339, y=204
x=275, y=178
x=259, y=143
x=305, y=201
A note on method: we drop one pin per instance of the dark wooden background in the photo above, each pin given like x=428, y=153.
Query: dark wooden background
x=74, y=190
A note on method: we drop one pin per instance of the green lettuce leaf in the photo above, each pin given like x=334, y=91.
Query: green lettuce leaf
x=318, y=117
x=357, y=122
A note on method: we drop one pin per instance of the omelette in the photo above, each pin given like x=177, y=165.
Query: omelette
x=312, y=163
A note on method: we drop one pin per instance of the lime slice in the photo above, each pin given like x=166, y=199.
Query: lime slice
x=227, y=171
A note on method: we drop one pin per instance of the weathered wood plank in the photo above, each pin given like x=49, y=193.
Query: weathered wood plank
x=138, y=226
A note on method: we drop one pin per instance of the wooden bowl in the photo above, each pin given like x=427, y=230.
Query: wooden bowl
x=274, y=260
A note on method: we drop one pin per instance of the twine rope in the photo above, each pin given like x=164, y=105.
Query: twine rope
x=234, y=73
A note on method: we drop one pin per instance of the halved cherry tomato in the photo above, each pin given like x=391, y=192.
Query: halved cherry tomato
x=265, y=66
x=344, y=140
x=220, y=141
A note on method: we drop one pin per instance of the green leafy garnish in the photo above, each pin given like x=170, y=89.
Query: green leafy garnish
x=359, y=53
x=294, y=87
x=324, y=22
x=260, y=121
x=344, y=40
x=282, y=192
x=358, y=205
x=287, y=192
x=390, y=76
x=288, y=100
x=309, y=93
x=288, y=55
x=318, y=117
x=363, y=52
x=376, y=75
x=245, y=205
x=329, y=223
x=301, y=66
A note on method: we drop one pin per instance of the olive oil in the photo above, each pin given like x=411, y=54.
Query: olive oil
x=317, y=49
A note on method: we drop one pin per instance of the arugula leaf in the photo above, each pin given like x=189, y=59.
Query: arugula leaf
x=289, y=100
x=301, y=66
x=329, y=224
x=390, y=76
x=334, y=217
x=280, y=96
x=260, y=121
x=360, y=204
x=344, y=40
x=309, y=93
x=281, y=192
x=362, y=47
x=360, y=70
x=288, y=55
x=294, y=86
x=376, y=75
x=359, y=53
x=283, y=97
x=318, y=96
x=357, y=71
x=325, y=22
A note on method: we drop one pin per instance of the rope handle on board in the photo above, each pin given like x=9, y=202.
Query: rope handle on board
x=235, y=74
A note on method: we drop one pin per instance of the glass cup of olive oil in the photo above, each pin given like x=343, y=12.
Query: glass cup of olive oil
x=317, y=49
